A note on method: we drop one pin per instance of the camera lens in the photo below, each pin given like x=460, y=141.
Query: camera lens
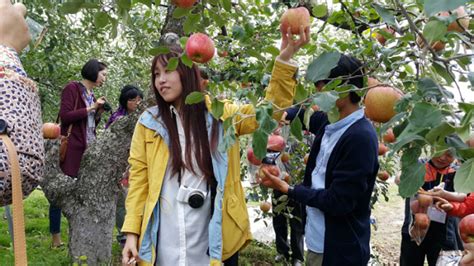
x=196, y=200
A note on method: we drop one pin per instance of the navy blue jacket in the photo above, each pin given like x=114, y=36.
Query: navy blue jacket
x=350, y=178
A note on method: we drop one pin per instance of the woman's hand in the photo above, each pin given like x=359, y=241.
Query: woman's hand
x=442, y=204
x=130, y=252
x=13, y=28
x=290, y=45
x=273, y=181
x=98, y=105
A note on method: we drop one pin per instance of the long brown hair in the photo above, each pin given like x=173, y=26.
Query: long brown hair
x=193, y=117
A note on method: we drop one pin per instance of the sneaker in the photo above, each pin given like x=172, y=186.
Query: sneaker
x=297, y=262
x=280, y=258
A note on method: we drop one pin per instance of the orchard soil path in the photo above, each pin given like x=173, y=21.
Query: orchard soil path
x=386, y=238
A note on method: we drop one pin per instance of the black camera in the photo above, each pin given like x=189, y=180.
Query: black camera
x=194, y=197
x=107, y=107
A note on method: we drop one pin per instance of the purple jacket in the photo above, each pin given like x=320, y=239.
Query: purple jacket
x=77, y=141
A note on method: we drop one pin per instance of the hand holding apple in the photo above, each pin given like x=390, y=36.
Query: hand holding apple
x=442, y=204
x=468, y=255
x=290, y=46
x=269, y=179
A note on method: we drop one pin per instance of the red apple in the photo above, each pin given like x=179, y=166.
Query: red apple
x=414, y=206
x=276, y=143
x=223, y=53
x=382, y=149
x=51, y=131
x=272, y=169
x=437, y=45
x=466, y=229
x=422, y=221
x=252, y=158
x=380, y=103
x=381, y=39
x=295, y=18
x=200, y=48
x=184, y=3
x=265, y=206
x=383, y=175
x=463, y=19
x=389, y=137
x=285, y=157
x=424, y=200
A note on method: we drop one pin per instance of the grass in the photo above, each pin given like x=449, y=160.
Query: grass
x=38, y=240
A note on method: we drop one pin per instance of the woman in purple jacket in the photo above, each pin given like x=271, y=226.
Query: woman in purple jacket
x=82, y=110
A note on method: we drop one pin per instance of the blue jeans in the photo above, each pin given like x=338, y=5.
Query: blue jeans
x=54, y=219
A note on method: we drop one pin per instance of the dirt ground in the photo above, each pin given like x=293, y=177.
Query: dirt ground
x=389, y=220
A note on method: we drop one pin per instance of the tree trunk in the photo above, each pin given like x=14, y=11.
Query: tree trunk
x=89, y=202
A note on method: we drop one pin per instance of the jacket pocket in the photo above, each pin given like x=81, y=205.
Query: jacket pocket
x=238, y=212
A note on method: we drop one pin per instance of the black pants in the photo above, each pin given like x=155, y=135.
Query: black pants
x=280, y=226
x=232, y=261
x=413, y=255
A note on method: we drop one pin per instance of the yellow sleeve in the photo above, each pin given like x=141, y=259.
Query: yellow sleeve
x=280, y=92
x=138, y=180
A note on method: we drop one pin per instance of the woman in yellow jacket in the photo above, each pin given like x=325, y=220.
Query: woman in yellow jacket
x=186, y=205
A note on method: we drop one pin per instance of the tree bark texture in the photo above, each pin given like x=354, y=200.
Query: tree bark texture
x=89, y=202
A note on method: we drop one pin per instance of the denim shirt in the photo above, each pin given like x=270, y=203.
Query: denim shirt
x=315, y=225
x=220, y=166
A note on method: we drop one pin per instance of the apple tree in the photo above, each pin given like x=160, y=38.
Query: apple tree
x=421, y=48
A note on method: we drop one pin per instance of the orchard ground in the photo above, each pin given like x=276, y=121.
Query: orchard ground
x=385, y=239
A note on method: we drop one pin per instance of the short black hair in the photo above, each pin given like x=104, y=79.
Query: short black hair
x=91, y=69
x=129, y=92
x=350, y=68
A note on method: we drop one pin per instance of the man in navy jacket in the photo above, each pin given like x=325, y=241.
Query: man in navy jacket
x=339, y=178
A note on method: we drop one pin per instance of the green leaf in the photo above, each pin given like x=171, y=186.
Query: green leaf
x=296, y=128
x=101, y=19
x=172, y=64
x=325, y=100
x=229, y=138
x=320, y=11
x=220, y=21
x=71, y=7
x=272, y=50
x=259, y=143
x=125, y=4
x=386, y=15
x=159, y=50
x=429, y=88
x=464, y=181
x=145, y=2
x=333, y=114
x=321, y=67
x=227, y=4
x=194, y=97
x=217, y=109
x=470, y=76
x=413, y=172
x=191, y=23
x=186, y=60
x=441, y=70
x=432, y=7
x=180, y=12
x=301, y=93
x=266, y=122
x=425, y=115
x=438, y=133
x=434, y=30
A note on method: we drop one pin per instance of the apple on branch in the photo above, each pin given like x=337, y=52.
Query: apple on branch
x=200, y=48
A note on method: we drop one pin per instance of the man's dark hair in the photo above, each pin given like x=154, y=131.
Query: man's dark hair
x=352, y=70
x=129, y=92
x=91, y=69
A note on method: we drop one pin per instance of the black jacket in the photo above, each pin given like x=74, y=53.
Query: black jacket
x=350, y=178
